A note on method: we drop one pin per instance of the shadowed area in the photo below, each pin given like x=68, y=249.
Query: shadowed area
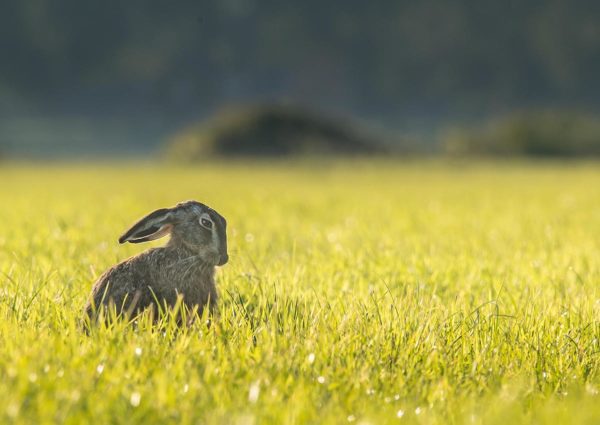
x=272, y=131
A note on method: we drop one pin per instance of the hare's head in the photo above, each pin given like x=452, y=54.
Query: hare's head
x=192, y=225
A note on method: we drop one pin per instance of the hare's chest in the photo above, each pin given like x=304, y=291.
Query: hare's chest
x=195, y=286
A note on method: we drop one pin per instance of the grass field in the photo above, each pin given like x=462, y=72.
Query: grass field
x=415, y=292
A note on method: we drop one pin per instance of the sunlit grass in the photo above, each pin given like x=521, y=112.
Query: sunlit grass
x=356, y=292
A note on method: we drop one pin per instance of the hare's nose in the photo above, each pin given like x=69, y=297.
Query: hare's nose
x=223, y=259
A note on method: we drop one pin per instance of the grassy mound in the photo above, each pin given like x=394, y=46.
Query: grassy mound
x=537, y=133
x=271, y=131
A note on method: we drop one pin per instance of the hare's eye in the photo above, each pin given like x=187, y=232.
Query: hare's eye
x=206, y=223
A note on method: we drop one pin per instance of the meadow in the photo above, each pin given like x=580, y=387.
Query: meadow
x=367, y=292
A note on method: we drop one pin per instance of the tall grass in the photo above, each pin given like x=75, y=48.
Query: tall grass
x=365, y=292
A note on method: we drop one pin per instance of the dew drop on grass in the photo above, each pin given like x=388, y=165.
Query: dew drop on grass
x=100, y=369
x=311, y=358
x=138, y=351
x=135, y=399
x=592, y=390
x=186, y=388
x=351, y=418
x=254, y=392
x=12, y=410
x=418, y=411
x=400, y=413
x=321, y=379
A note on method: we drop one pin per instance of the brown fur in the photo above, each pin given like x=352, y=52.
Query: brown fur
x=156, y=278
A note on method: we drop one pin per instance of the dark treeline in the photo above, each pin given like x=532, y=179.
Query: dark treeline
x=386, y=55
x=388, y=60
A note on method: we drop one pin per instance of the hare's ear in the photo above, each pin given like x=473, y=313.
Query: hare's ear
x=155, y=225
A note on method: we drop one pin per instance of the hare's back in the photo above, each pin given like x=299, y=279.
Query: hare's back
x=127, y=286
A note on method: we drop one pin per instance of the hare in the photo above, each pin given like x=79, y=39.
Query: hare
x=183, y=268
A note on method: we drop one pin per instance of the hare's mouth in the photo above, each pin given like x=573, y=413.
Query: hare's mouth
x=213, y=258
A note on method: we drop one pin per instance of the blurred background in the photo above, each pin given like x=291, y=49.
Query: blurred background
x=191, y=79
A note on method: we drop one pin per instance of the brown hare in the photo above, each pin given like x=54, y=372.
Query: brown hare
x=183, y=268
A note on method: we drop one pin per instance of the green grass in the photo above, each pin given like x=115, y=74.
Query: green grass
x=452, y=293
